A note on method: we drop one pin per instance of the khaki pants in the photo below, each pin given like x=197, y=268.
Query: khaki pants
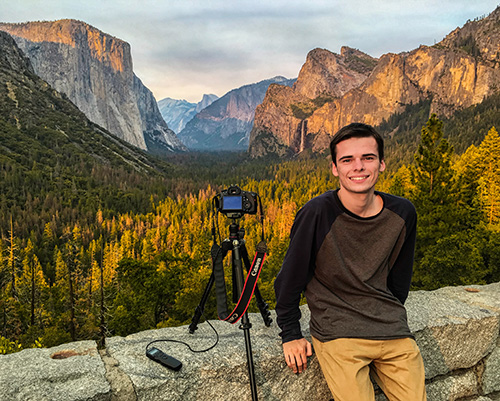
x=396, y=366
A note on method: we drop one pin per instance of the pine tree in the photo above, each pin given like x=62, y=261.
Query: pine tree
x=489, y=182
x=455, y=259
x=401, y=184
x=433, y=165
x=3, y=284
x=32, y=282
x=432, y=175
x=432, y=195
x=12, y=260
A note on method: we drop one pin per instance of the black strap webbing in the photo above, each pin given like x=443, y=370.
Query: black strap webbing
x=248, y=289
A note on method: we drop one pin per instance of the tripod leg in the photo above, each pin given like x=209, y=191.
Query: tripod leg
x=245, y=322
x=201, y=306
x=263, y=307
x=245, y=326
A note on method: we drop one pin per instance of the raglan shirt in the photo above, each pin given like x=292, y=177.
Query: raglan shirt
x=355, y=271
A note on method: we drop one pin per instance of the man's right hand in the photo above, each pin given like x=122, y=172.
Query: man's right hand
x=296, y=353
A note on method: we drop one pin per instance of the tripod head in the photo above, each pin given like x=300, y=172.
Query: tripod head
x=235, y=232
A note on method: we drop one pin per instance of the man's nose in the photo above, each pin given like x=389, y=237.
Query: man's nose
x=358, y=164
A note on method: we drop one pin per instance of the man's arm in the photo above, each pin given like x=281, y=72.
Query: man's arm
x=289, y=285
x=292, y=279
x=400, y=276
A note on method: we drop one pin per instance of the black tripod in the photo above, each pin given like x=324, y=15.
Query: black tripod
x=236, y=244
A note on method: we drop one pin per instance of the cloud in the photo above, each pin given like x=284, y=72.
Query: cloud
x=184, y=48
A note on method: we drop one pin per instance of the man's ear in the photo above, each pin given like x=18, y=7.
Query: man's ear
x=382, y=166
x=334, y=170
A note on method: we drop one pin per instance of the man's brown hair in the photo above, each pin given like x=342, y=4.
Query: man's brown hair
x=356, y=130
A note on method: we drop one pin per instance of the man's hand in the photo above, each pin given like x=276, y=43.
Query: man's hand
x=296, y=353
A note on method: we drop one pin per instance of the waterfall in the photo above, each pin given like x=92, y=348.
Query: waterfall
x=303, y=131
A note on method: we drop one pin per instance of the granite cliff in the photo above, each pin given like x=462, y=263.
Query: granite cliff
x=41, y=127
x=95, y=71
x=226, y=123
x=281, y=121
x=458, y=72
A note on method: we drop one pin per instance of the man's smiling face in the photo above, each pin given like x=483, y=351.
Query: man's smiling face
x=358, y=164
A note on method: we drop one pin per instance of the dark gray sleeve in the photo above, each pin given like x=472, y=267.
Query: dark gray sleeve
x=295, y=273
x=400, y=276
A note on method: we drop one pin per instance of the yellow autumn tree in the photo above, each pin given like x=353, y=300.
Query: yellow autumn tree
x=32, y=285
x=489, y=181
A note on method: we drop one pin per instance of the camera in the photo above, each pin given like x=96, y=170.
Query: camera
x=234, y=202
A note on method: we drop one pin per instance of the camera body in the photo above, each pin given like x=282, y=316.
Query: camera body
x=234, y=202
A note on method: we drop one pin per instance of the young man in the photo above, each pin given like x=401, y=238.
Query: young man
x=351, y=251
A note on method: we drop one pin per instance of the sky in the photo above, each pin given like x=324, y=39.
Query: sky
x=183, y=49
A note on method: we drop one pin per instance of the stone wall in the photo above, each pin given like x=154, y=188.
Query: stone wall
x=456, y=328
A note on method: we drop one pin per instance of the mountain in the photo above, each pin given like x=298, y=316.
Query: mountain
x=281, y=121
x=177, y=113
x=226, y=123
x=55, y=162
x=95, y=71
x=458, y=72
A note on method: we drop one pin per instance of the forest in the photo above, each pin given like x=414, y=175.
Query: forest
x=85, y=260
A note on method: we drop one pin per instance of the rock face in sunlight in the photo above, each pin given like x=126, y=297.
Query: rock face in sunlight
x=95, y=71
x=335, y=90
x=327, y=73
x=281, y=121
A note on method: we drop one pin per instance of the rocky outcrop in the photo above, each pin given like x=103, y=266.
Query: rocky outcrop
x=226, y=123
x=452, y=80
x=327, y=73
x=456, y=73
x=478, y=38
x=12, y=58
x=276, y=128
x=456, y=328
x=177, y=113
x=280, y=124
x=95, y=71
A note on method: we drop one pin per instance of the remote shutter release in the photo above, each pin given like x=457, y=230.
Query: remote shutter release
x=166, y=360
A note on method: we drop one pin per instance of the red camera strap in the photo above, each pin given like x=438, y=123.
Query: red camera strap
x=248, y=289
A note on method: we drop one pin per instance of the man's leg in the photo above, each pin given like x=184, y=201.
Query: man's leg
x=345, y=365
x=399, y=371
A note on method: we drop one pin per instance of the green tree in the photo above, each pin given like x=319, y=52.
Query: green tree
x=432, y=175
x=433, y=166
x=139, y=304
x=4, y=277
x=491, y=255
x=455, y=259
x=445, y=203
x=401, y=184
x=13, y=260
